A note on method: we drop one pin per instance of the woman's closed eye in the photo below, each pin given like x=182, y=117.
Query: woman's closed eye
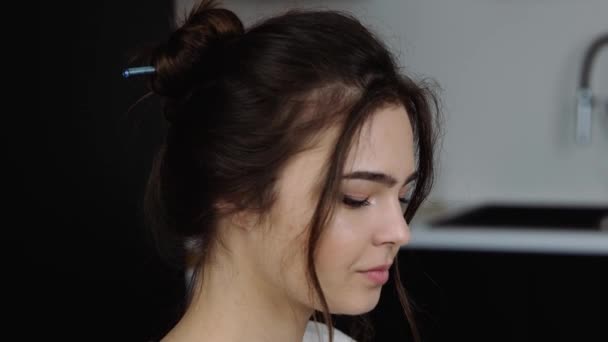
x=355, y=203
x=358, y=203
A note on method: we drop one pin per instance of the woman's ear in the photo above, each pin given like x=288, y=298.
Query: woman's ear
x=241, y=218
x=244, y=219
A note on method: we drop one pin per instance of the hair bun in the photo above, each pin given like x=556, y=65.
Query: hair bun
x=178, y=59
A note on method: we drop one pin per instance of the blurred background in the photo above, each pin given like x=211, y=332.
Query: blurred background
x=509, y=72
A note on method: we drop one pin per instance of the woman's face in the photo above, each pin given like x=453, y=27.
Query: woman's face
x=368, y=226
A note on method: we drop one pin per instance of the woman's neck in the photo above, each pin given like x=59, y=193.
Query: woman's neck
x=234, y=304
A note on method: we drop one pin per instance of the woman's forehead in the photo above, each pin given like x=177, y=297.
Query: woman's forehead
x=384, y=144
x=385, y=141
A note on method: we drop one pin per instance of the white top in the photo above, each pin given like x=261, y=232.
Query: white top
x=314, y=330
x=318, y=332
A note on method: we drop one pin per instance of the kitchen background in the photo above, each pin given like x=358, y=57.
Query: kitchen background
x=509, y=71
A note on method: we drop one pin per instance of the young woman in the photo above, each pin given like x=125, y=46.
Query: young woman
x=295, y=156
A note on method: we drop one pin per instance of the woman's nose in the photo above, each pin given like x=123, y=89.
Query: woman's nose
x=395, y=229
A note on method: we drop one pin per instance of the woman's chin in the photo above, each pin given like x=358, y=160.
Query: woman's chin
x=359, y=306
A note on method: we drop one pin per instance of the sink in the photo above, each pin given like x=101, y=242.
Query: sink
x=528, y=216
x=512, y=227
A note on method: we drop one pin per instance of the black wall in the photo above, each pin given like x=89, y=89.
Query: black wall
x=510, y=297
x=87, y=270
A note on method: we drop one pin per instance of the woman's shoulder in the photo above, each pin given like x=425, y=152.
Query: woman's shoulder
x=318, y=332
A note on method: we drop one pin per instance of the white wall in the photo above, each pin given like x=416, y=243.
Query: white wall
x=509, y=71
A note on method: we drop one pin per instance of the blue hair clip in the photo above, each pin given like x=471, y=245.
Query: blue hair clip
x=138, y=71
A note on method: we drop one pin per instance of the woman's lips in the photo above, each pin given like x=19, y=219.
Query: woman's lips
x=379, y=277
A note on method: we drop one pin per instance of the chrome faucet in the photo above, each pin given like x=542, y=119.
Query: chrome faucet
x=584, y=96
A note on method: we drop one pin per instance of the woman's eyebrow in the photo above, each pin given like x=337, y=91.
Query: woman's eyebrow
x=379, y=177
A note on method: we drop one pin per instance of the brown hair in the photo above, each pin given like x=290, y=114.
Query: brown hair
x=239, y=103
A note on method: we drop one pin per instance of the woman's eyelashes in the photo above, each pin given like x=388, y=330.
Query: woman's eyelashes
x=358, y=203
x=354, y=203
